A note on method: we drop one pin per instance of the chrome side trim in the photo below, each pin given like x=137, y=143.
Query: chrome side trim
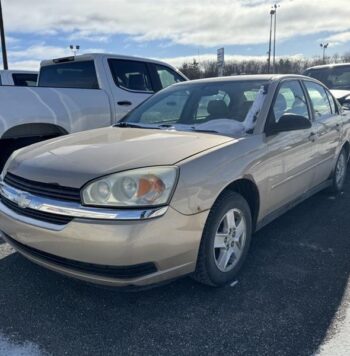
x=26, y=200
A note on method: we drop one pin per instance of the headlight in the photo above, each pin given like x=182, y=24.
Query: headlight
x=138, y=187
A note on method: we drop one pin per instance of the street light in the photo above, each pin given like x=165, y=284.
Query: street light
x=324, y=46
x=274, y=8
x=272, y=13
x=74, y=49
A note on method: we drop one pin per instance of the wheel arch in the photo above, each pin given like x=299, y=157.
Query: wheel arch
x=248, y=189
x=346, y=146
x=34, y=130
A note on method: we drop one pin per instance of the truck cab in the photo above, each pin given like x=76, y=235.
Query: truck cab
x=127, y=80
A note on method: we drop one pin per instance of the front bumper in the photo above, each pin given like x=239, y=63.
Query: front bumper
x=170, y=243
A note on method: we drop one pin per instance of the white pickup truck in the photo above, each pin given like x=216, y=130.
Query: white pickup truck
x=20, y=78
x=78, y=93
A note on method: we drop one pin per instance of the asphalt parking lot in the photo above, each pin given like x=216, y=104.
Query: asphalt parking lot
x=285, y=302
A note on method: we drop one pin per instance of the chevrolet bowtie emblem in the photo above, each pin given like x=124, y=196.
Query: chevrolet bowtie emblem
x=23, y=201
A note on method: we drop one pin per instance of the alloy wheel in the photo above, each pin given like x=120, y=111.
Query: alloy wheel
x=230, y=239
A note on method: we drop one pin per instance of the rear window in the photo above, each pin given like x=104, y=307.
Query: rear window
x=81, y=74
x=25, y=79
x=131, y=75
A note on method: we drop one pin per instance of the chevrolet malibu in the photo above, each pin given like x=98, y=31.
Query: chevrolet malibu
x=179, y=185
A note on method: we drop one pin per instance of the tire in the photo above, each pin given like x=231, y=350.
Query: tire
x=230, y=216
x=339, y=174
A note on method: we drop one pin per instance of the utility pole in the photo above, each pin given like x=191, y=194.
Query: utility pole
x=274, y=7
x=272, y=12
x=3, y=42
x=324, y=46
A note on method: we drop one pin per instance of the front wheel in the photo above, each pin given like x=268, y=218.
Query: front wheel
x=225, y=241
x=339, y=174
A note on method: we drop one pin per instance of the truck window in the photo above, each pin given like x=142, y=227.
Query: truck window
x=167, y=76
x=81, y=74
x=130, y=75
x=337, y=77
x=24, y=79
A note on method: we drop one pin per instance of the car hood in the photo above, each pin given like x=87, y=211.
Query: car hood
x=76, y=159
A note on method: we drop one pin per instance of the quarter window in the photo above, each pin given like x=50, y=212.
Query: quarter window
x=319, y=100
x=331, y=102
x=290, y=100
x=131, y=75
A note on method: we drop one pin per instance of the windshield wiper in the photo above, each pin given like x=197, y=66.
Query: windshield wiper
x=129, y=124
x=202, y=130
x=190, y=128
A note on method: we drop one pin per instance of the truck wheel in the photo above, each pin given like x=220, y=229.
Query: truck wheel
x=225, y=241
x=339, y=174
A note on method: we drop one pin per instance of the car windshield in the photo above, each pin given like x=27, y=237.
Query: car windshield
x=337, y=77
x=199, y=106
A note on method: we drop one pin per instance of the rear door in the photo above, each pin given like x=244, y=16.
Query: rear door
x=328, y=126
x=292, y=153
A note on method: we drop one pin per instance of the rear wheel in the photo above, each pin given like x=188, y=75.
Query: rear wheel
x=225, y=241
x=339, y=173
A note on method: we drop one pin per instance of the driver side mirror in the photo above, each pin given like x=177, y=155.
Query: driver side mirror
x=290, y=122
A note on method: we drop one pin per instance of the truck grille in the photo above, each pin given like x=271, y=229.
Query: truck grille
x=54, y=191
x=36, y=214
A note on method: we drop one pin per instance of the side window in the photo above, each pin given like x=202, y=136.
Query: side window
x=131, y=75
x=80, y=74
x=167, y=76
x=290, y=99
x=331, y=102
x=319, y=100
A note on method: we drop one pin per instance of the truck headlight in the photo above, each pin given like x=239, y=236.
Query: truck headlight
x=139, y=187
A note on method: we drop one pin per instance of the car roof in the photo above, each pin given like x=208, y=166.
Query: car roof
x=249, y=77
x=328, y=66
x=87, y=56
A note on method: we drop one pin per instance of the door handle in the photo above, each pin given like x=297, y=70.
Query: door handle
x=124, y=103
x=312, y=137
x=338, y=127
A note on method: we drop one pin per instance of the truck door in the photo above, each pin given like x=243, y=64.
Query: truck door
x=132, y=84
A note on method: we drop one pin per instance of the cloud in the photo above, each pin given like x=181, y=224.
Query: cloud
x=88, y=36
x=339, y=38
x=30, y=58
x=197, y=22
